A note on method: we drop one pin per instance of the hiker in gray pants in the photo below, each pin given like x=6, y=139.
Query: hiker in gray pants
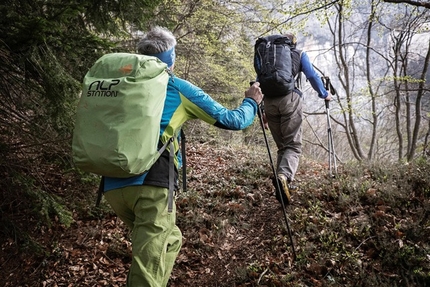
x=284, y=116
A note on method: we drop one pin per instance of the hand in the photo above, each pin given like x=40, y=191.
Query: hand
x=328, y=98
x=254, y=92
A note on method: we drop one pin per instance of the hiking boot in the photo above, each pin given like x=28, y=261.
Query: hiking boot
x=292, y=187
x=284, y=192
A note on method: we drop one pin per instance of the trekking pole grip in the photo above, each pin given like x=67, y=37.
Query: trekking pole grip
x=327, y=104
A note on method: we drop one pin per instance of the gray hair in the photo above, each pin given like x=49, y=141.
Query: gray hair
x=157, y=40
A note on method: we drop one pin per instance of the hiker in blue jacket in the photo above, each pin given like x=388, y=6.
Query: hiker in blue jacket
x=284, y=116
x=142, y=201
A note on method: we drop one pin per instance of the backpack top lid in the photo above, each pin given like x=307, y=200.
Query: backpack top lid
x=292, y=37
x=273, y=65
x=287, y=39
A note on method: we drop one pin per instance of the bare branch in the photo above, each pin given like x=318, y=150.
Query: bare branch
x=414, y=3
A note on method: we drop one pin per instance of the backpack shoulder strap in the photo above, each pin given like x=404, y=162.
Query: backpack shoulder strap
x=297, y=67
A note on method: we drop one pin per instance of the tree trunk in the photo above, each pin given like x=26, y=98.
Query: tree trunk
x=421, y=91
x=369, y=82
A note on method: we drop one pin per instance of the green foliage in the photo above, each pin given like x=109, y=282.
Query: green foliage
x=213, y=51
x=372, y=210
x=46, y=206
x=21, y=235
x=46, y=47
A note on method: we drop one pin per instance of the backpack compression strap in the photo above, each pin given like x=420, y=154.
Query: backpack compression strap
x=171, y=176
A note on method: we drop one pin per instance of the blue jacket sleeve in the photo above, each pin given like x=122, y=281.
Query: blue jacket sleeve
x=200, y=105
x=312, y=76
x=239, y=118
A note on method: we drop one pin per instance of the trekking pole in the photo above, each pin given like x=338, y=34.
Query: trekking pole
x=184, y=161
x=331, y=153
x=278, y=188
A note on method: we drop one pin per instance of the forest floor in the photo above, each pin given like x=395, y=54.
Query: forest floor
x=368, y=226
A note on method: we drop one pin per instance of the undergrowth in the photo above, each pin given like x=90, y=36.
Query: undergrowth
x=367, y=226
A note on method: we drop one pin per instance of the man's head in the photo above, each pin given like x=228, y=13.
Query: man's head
x=159, y=42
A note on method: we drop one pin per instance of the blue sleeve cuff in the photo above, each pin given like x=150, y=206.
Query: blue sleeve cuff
x=254, y=102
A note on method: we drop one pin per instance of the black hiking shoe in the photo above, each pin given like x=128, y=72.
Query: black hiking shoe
x=285, y=190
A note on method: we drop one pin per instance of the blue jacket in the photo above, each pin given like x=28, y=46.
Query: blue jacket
x=186, y=101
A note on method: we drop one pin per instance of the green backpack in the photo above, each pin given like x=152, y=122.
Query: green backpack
x=117, y=128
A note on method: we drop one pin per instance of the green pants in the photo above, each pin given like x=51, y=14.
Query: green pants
x=156, y=240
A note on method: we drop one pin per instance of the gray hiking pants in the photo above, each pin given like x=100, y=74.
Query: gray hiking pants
x=284, y=116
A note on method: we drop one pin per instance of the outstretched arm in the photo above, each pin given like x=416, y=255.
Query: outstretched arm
x=198, y=104
x=313, y=77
